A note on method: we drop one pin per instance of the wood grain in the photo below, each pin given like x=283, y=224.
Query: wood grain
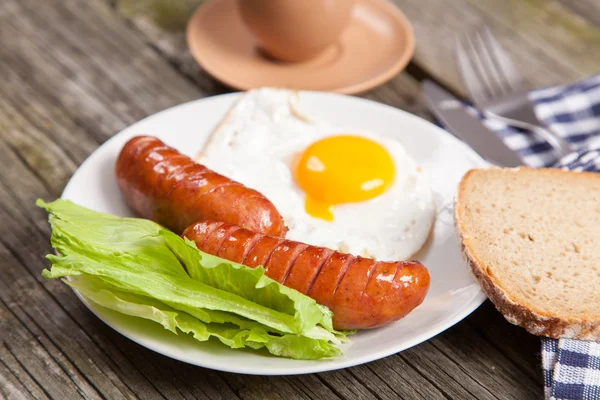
x=76, y=72
x=588, y=10
x=548, y=42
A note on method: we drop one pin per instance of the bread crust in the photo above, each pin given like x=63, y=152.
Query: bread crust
x=534, y=321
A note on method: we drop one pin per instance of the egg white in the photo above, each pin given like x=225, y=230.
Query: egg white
x=256, y=144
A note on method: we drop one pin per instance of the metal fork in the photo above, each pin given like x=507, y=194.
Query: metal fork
x=496, y=87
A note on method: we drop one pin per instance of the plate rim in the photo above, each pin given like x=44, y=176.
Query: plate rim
x=465, y=311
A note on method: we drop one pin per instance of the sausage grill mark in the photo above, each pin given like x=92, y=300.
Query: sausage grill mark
x=216, y=239
x=209, y=231
x=370, y=276
x=345, y=269
x=314, y=276
x=248, y=248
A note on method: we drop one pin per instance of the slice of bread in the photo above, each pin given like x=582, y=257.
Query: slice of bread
x=532, y=240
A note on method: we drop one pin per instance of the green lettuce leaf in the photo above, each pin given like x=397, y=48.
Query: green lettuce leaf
x=293, y=346
x=139, y=268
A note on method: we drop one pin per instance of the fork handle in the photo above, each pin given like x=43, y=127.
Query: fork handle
x=562, y=146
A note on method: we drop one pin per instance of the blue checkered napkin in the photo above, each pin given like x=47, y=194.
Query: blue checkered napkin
x=571, y=367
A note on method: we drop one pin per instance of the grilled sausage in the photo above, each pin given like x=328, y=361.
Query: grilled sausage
x=163, y=185
x=361, y=292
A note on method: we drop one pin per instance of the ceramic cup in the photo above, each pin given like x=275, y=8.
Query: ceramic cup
x=295, y=30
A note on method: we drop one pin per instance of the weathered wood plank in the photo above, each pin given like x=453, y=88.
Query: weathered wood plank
x=15, y=381
x=488, y=366
x=549, y=43
x=522, y=349
x=11, y=387
x=103, y=77
x=20, y=344
x=586, y=9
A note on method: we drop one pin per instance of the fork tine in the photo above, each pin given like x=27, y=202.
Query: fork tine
x=502, y=59
x=481, y=65
x=489, y=69
x=470, y=77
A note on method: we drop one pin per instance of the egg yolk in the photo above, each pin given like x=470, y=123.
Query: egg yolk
x=342, y=169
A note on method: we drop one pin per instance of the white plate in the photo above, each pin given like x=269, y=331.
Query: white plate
x=453, y=294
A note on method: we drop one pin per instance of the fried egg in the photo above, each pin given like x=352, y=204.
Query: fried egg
x=351, y=191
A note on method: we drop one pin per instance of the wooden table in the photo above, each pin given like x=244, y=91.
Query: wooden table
x=75, y=72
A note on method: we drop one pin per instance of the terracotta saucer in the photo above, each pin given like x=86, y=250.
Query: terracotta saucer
x=377, y=43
